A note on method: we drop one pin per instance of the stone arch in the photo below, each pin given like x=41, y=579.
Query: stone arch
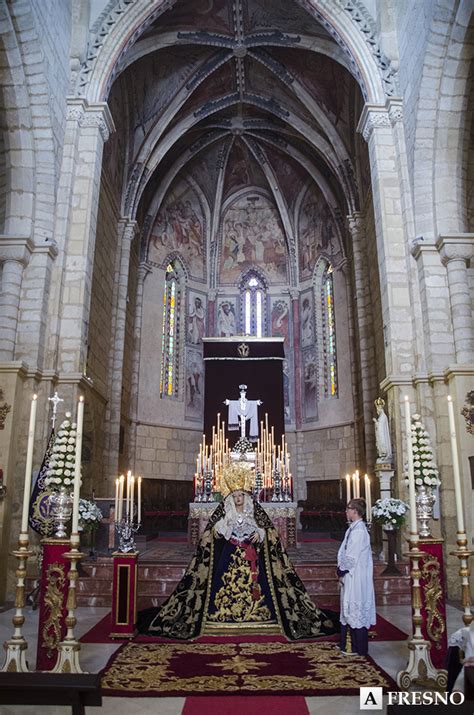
x=126, y=22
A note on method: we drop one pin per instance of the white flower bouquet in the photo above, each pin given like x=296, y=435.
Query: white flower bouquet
x=90, y=515
x=390, y=511
x=424, y=465
x=60, y=471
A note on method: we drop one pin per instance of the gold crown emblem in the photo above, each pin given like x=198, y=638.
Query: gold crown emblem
x=237, y=476
x=243, y=350
x=379, y=402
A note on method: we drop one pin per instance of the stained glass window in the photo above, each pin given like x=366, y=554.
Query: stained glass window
x=253, y=305
x=170, y=335
x=329, y=333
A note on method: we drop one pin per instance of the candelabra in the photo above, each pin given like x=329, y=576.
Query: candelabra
x=277, y=495
x=420, y=669
x=463, y=553
x=16, y=647
x=286, y=488
x=258, y=484
x=207, y=495
x=69, y=648
x=126, y=528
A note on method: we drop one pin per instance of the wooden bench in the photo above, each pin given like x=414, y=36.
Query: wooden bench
x=76, y=690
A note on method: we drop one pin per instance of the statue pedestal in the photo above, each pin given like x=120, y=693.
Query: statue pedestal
x=384, y=472
x=124, y=594
x=282, y=514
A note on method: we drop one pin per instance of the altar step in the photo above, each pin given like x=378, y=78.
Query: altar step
x=157, y=581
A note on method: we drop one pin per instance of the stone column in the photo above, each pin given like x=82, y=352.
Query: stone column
x=295, y=298
x=211, y=312
x=455, y=252
x=126, y=234
x=143, y=270
x=366, y=337
x=14, y=256
x=88, y=127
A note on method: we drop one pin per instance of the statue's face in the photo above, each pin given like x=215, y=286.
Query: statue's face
x=238, y=498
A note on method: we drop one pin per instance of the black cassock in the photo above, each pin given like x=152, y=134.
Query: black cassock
x=228, y=584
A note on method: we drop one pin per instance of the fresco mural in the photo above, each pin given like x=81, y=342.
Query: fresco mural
x=317, y=233
x=242, y=170
x=310, y=385
x=194, y=387
x=280, y=320
x=179, y=226
x=252, y=236
x=307, y=319
x=226, y=319
x=287, y=396
x=196, y=320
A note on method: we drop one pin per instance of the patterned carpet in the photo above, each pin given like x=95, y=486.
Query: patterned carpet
x=263, y=666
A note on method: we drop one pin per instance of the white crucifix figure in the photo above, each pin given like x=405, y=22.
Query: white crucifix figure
x=242, y=410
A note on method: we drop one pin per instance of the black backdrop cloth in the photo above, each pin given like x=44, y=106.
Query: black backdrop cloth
x=261, y=371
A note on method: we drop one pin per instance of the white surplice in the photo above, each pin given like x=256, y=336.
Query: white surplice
x=357, y=592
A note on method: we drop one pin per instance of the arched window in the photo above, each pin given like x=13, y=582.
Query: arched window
x=253, y=299
x=325, y=330
x=170, y=336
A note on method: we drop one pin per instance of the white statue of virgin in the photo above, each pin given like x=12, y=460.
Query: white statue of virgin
x=382, y=433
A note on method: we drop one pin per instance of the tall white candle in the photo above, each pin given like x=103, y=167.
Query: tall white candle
x=348, y=488
x=132, y=489
x=77, y=466
x=368, y=497
x=139, y=500
x=411, y=472
x=29, y=465
x=127, y=498
x=117, y=483
x=120, y=505
x=456, y=473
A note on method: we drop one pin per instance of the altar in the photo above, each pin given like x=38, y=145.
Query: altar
x=282, y=514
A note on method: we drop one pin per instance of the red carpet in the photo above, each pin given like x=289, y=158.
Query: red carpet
x=261, y=705
x=268, y=667
x=383, y=631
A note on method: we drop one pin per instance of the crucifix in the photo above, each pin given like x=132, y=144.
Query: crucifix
x=55, y=399
x=242, y=410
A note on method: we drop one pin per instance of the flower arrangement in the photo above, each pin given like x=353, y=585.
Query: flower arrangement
x=243, y=445
x=60, y=472
x=390, y=511
x=90, y=515
x=424, y=465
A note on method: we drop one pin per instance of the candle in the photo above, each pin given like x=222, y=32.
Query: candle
x=29, y=465
x=132, y=489
x=411, y=473
x=117, y=483
x=139, y=499
x=77, y=467
x=120, y=502
x=127, y=498
x=356, y=485
x=348, y=488
x=368, y=497
x=456, y=474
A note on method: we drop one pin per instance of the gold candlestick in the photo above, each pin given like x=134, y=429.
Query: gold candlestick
x=16, y=647
x=463, y=554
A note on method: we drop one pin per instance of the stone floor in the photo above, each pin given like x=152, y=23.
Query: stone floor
x=392, y=657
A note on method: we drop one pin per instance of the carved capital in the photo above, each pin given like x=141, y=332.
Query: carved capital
x=373, y=117
x=456, y=247
x=355, y=222
x=91, y=115
x=16, y=248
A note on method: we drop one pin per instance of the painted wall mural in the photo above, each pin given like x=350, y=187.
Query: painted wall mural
x=179, y=226
x=196, y=318
x=310, y=384
x=280, y=320
x=252, y=236
x=307, y=319
x=194, y=387
x=226, y=319
x=317, y=233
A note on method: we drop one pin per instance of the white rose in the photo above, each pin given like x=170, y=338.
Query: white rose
x=62, y=449
x=67, y=482
x=419, y=482
x=70, y=448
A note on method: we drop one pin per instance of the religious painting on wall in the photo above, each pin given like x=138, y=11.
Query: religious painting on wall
x=280, y=320
x=288, y=390
x=252, y=236
x=194, y=387
x=310, y=384
x=226, y=318
x=179, y=226
x=317, y=233
x=196, y=318
x=307, y=319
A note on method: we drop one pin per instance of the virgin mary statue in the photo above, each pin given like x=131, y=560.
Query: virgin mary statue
x=240, y=579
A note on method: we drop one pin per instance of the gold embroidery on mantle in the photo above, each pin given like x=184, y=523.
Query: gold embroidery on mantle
x=433, y=592
x=54, y=598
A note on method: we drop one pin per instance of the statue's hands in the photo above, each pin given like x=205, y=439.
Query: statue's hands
x=259, y=402
x=254, y=538
x=226, y=402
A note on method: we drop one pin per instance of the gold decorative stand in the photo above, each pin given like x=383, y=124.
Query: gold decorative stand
x=463, y=554
x=16, y=647
x=420, y=670
x=68, y=649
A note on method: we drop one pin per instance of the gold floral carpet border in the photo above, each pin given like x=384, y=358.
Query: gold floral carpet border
x=245, y=668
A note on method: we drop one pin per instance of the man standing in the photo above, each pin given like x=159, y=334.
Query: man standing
x=355, y=573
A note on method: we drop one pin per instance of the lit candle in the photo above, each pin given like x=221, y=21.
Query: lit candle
x=29, y=465
x=117, y=483
x=139, y=515
x=132, y=489
x=456, y=474
x=77, y=469
x=368, y=497
x=348, y=488
x=127, y=498
x=411, y=473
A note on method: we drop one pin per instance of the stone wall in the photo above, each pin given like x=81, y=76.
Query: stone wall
x=166, y=452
